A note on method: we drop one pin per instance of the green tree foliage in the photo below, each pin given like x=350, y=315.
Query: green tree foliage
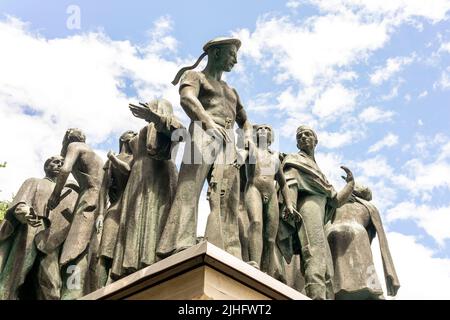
x=3, y=208
x=3, y=204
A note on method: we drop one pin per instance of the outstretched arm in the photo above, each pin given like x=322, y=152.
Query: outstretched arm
x=123, y=166
x=344, y=194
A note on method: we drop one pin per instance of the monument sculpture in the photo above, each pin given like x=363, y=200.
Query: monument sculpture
x=213, y=108
x=29, y=253
x=315, y=200
x=275, y=211
x=350, y=234
x=87, y=169
x=150, y=189
x=117, y=170
x=263, y=167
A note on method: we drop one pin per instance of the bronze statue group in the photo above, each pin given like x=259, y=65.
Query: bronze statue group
x=63, y=239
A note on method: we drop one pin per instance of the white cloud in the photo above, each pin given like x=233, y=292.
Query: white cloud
x=375, y=114
x=444, y=81
x=393, y=66
x=375, y=167
x=388, y=141
x=261, y=103
x=444, y=154
x=445, y=47
x=280, y=43
x=422, y=177
x=333, y=140
x=397, y=11
x=161, y=40
x=315, y=56
x=434, y=220
x=293, y=4
x=393, y=93
x=407, y=97
x=423, y=94
x=47, y=86
x=421, y=274
x=336, y=100
x=330, y=163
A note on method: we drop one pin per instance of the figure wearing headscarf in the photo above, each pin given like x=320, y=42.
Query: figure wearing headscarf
x=213, y=108
x=150, y=189
x=31, y=238
x=350, y=234
x=117, y=170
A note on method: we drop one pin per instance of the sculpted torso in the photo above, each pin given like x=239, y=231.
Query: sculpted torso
x=87, y=168
x=262, y=173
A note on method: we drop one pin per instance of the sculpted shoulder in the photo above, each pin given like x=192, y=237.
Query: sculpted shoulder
x=292, y=159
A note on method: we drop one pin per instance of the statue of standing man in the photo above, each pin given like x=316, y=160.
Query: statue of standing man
x=316, y=201
x=87, y=169
x=213, y=108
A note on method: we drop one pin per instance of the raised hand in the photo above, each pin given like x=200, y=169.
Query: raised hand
x=21, y=212
x=349, y=177
x=111, y=155
x=144, y=112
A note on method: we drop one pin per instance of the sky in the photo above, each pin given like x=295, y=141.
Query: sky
x=372, y=77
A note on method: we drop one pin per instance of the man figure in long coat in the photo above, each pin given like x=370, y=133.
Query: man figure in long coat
x=29, y=252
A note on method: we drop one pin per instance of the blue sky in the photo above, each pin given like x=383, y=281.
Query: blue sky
x=373, y=78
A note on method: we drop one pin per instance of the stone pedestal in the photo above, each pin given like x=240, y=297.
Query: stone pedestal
x=200, y=272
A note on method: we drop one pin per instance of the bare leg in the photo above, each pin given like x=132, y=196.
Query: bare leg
x=254, y=208
x=270, y=227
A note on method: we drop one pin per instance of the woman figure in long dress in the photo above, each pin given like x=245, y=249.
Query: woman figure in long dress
x=149, y=191
x=117, y=170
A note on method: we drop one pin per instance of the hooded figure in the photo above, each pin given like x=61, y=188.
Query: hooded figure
x=103, y=242
x=149, y=192
x=350, y=234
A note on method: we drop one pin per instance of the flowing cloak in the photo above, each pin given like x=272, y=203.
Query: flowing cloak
x=302, y=171
x=392, y=282
x=147, y=198
x=116, y=182
x=19, y=243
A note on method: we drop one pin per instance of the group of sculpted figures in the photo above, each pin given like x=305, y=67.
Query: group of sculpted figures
x=62, y=239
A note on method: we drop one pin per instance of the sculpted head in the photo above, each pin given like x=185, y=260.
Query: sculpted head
x=264, y=134
x=52, y=166
x=306, y=138
x=72, y=135
x=222, y=56
x=362, y=191
x=161, y=106
x=222, y=52
x=126, y=137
